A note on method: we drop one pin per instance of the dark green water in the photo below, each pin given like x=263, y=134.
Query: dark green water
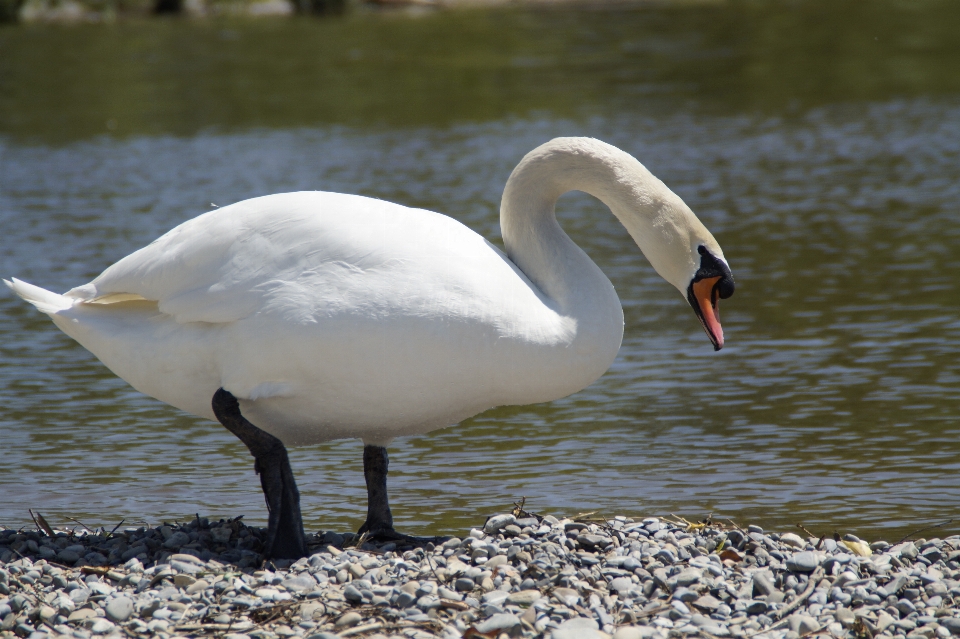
x=820, y=141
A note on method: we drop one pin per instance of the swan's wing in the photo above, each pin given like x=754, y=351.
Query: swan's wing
x=224, y=265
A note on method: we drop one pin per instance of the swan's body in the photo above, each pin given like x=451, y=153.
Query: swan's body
x=328, y=325
x=331, y=316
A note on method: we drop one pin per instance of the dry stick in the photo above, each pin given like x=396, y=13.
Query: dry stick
x=76, y=521
x=360, y=629
x=115, y=528
x=949, y=521
x=811, y=584
x=822, y=537
x=41, y=523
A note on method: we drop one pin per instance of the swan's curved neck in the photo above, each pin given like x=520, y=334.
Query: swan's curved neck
x=534, y=240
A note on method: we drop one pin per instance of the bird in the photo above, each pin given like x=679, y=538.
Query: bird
x=298, y=318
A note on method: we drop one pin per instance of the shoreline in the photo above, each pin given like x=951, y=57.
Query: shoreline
x=113, y=11
x=517, y=575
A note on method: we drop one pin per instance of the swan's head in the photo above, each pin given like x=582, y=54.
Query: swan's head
x=683, y=252
x=711, y=283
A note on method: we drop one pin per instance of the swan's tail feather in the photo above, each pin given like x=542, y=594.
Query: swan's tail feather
x=45, y=301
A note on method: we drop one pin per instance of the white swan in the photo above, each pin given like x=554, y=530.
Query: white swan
x=319, y=316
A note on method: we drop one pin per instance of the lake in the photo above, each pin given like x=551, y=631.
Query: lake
x=819, y=141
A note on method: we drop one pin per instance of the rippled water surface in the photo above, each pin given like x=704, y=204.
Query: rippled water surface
x=820, y=144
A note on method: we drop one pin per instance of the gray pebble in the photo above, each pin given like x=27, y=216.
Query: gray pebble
x=805, y=561
x=120, y=609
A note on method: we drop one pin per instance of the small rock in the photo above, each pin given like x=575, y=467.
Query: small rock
x=846, y=617
x=301, y=583
x=183, y=581
x=176, y=540
x=356, y=570
x=101, y=627
x=80, y=614
x=567, y=596
x=198, y=586
x=621, y=584
x=578, y=628
x=707, y=603
x=464, y=584
x=497, y=523
x=524, y=597
x=762, y=584
x=634, y=632
x=351, y=594
x=503, y=622
x=807, y=625
x=221, y=534
x=348, y=620
x=792, y=539
x=805, y=561
x=120, y=609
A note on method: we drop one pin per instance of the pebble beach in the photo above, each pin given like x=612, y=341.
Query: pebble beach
x=515, y=575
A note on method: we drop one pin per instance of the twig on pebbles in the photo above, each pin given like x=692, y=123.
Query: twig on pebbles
x=356, y=630
x=819, y=542
x=76, y=521
x=917, y=532
x=41, y=523
x=812, y=582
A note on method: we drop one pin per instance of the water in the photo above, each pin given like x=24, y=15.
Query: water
x=820, y=143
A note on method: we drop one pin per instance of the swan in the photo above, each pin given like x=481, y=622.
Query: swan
x=299, y=318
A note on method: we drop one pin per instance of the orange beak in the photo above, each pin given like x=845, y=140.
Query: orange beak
x=706, y=303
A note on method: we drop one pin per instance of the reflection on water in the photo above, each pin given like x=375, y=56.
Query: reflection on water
x=836, y=401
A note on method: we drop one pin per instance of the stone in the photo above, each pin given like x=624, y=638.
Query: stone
x=567, y=596
x=792, y=539
x=464, y=584
x=198, y=586
x=301, y=583
x=593, y=542
x=80, y=614
x=846, y=617
x=404, y=599
x=884, y=621
x=101, y=627
x=950, y=623
x=805, y=561
x=688, y=577
x=497, y=523
x=348, y=620
x=176, y=540
x=524, y=597
x=351, y=594
x=503, y=622
x=634, y=632
x=807, y=625
x=120, y=609
x=578, y=628
x=707, y=603
x=763, y=584
x=621, y=584
x=356, y=570
x=221, y=534
x=183, y=581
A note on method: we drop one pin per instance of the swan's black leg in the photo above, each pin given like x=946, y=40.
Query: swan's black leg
x=285, y=539
x=379, y=523
x=379, y=518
